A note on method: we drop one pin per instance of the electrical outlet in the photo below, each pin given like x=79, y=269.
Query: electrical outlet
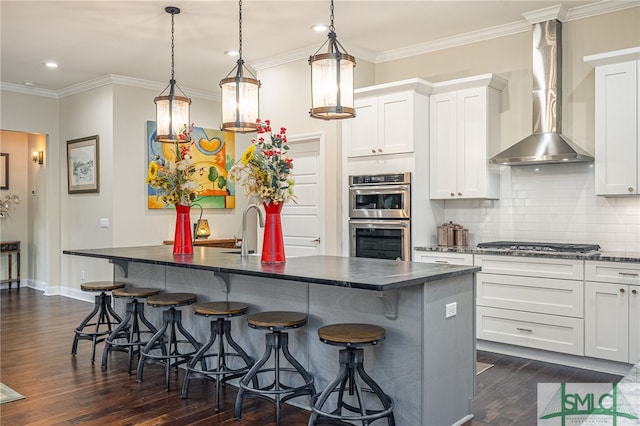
x=451, y=309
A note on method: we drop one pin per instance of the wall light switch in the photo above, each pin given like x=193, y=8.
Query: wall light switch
x=451, y=310
x=104, y=222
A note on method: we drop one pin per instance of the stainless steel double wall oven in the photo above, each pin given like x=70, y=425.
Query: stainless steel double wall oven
x=380, y=216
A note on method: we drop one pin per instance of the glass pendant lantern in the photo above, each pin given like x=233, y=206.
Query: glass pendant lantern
x=332, y=80
x=172, y=110
x=240, y=95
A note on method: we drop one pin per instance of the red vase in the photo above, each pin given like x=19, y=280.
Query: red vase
x=182, y=240
x=273, y=243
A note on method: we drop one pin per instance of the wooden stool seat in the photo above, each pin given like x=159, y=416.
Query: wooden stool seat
x=134, y=292
x=227, y=309
x=101, y=285
x=351, y=334
x=171, y=299
x=277, y=320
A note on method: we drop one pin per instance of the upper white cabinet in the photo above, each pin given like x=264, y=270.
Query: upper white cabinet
x=617, y=105
x=388, y=118
x=464, y=129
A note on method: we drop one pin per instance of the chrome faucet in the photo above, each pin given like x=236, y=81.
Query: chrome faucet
x=244, y=248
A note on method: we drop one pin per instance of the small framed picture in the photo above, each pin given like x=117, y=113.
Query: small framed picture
x=83, y=165
x=4, y=171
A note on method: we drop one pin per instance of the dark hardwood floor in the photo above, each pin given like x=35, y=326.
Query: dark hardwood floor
x=36, y=332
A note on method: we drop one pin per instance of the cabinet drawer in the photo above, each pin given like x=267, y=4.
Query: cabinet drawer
x=538, y=295
x=531, y=266
x=539, y=331
x=613, y=272
x=447, y=258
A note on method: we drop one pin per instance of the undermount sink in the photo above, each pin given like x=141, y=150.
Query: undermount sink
x=238, y=252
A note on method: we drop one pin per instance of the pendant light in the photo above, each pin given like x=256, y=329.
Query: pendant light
x=172, y=111
x=240, y=95
x=332, y=80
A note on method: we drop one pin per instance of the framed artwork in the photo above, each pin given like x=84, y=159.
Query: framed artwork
x=4, y=170
x=213, y=153
x=83, y=165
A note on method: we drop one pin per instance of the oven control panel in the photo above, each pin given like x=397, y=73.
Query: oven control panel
x=392, y=178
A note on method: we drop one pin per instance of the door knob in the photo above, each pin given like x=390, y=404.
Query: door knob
x=317, y=240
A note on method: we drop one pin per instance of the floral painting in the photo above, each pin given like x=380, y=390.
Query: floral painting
x=213, y=154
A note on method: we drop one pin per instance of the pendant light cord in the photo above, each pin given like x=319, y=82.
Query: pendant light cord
x=331, y=27
x=240, y=29
x=172, y=45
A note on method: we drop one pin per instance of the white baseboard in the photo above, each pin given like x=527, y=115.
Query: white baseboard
x=605, y=366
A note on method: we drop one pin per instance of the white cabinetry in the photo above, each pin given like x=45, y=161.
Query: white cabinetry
x=388, y=118
x=464, y=130
x=449, y=257
x=612, y=311
x=617, y=106
x=533, y=302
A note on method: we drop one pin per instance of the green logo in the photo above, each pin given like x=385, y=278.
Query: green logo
x=588, y=403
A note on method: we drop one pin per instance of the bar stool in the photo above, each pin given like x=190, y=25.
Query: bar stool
x=102, y=314
x=127, y=336
x=220, y=330
x=276, y=341
x=168, y=345
x=352, y=337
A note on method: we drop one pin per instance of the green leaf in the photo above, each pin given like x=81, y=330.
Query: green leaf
x=213, y=174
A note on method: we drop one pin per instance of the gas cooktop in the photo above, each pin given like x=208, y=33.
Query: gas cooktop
x=540, y=247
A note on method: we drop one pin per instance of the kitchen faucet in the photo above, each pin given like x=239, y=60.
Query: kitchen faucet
x=244, y=249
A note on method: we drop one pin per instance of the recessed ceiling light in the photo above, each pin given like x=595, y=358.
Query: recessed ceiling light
x=232, y=53
x=320, y=28
x=51, y=64
x=29, y=83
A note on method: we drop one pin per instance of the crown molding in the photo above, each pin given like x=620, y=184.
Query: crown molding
x=26, y=90
x=104, y=81
x=305, y=53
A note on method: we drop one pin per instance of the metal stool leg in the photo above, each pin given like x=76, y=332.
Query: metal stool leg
x=105, y=316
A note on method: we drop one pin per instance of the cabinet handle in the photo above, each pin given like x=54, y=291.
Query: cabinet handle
x=446, y=261
x=453, y=195
x=628, y=274
x=630, y=189
x=528, y=330
x=373, y=151
x=634, y=291
x=622, y=290
x=459, y=194
x=379, y=149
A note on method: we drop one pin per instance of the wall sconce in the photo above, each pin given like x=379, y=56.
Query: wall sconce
x=202, y=229
x=38, y=157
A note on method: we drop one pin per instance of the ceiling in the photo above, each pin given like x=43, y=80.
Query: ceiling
x=91, y=39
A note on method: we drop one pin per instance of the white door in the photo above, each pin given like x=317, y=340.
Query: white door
x=302, y=223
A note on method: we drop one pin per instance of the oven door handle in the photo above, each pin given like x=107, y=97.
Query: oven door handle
x=380, y=223
x=388, y=189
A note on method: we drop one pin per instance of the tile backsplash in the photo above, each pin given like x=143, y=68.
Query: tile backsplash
x=551, y=203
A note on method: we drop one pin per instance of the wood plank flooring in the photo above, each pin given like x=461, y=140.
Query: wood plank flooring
x=36, y=332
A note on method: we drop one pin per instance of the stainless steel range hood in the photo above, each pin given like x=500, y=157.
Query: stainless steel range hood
x=546, y=144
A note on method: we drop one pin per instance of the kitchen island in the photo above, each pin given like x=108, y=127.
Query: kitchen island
x=427, y=361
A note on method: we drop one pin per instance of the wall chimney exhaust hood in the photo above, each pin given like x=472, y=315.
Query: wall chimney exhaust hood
x=546, y=144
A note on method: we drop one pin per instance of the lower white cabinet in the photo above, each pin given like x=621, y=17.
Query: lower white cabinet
x=451, y=258
x=534, y=302
x=612, y=311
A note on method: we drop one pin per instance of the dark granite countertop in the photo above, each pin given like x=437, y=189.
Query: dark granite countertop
x=599, y=256
x=369, y=274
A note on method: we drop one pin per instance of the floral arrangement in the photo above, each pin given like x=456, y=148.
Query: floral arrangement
x=175, y=179
x=7, y=203
x=265, y=168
